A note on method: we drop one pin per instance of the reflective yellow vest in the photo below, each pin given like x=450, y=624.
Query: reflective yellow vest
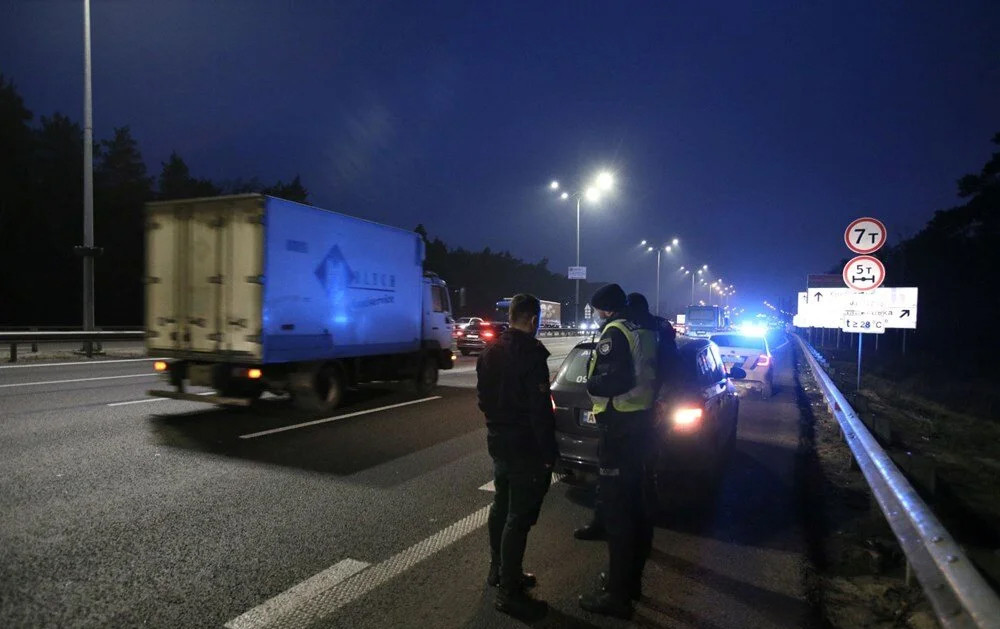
x=643, y=347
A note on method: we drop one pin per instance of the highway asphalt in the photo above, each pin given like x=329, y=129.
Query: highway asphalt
x=119, y=510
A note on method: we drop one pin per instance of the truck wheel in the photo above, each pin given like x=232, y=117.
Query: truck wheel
x=427, y=376
x=325, y=392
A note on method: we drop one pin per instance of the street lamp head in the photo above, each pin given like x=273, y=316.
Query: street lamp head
x=564, y=196
x=593, y=194
x=675, y=242
x=554, y=185
x=682, y=268
x=704, y=266
x=642, y=244
x=605, y=181
x=650, y=248
x=667, y=249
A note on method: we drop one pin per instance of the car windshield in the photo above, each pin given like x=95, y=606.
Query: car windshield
x=574, y=368
x=739, y=340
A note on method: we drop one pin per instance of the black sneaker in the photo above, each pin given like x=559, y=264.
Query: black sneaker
x=528, y=580
x=591, y=532
x=520, y=605
x=606, y=604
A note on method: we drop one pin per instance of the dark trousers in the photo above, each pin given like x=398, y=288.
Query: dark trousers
x=520, y=488
x=624, y=495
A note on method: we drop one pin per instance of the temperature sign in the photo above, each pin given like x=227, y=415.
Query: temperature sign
x=865, y=235
x=864, y=273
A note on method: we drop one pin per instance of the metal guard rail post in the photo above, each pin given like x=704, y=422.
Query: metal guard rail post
x=960, y=596
x=50, y=336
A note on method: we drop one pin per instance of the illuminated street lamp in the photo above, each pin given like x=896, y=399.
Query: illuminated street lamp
x=604, y=181
x=659, y=251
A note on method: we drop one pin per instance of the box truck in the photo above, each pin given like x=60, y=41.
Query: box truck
x=251, y=293
x=551, y=316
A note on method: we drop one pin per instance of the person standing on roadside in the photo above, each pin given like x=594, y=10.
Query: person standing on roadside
x=621, y=381
x=513, y=390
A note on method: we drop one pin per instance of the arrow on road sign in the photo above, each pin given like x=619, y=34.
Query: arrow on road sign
x=818, y=296
x=905, y=313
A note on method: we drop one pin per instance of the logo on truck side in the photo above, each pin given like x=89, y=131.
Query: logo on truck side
x=334, y=270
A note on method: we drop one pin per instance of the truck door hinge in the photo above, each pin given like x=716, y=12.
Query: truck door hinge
x=152, y=280
x=255, y=279
x=256, y=219
x=198, y=321
x=214, y=279
x=252, y=338
x=215, y=336
x=240, y=323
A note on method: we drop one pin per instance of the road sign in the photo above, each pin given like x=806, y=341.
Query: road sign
x=864, y=273
x=863, y=325
x=823, y=280
x=895, y=307
x=865, y=235
x=577, y=273
x=588, y=311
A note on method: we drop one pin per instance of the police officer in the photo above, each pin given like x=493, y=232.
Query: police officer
x=621, y=381
x=666, y=354
x=666, y=336
x=513, y=387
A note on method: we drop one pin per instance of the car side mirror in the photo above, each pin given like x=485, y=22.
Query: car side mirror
x=737, y=373
x=449, y=320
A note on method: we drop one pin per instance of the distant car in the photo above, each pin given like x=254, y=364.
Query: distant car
x=463, y=322
x=696, y=415
x=478, y=336
x=752, y=352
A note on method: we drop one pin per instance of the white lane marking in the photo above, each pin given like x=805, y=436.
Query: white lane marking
x=312, y=600
x=32, y=384
x=152, y=399
x=286, y=602
x=96, y=362
x=333, y=419
x=308, y=610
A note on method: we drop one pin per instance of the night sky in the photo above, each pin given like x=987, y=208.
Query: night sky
x=754, y=131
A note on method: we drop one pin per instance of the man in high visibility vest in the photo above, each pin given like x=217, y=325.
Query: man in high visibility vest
x=621, y=382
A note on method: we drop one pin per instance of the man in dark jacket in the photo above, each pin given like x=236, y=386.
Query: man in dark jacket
x=513, y=386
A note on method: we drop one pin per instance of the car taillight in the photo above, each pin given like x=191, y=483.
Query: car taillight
x=254, y=374
x=487, y=334
x=687, y=418
x=160, y=365
x=552, y=397
x=459, y=334
x=763, y=361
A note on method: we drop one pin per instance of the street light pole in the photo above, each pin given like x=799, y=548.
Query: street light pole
x=693, y=275
x=657, y=282
x=576, y=304
x=88, y=251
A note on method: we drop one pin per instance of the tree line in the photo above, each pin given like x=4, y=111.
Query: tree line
x=41, y=216
x=41, y=221
x=955, y=262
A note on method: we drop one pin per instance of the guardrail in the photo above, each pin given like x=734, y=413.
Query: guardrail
x=563, y=332
x=960, y=596
x=53, y=336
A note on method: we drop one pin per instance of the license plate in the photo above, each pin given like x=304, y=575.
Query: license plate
x=200, y=375
x=472, y=337
x=733, y=360
x=587, y=418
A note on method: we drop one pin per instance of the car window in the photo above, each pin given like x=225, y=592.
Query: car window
x=706, y=368
x=720, y=371
x=739, y=340
x=437, y=299
x=574, y=369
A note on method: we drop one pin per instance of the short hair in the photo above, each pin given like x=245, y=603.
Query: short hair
x=523, y=307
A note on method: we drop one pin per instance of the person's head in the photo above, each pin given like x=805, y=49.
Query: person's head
x=525, y=312
x=609, y=300
x=638, y=305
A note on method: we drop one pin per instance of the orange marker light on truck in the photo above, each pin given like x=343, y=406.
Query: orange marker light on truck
x=160, y=365
x=686, y=419
x=254, y=374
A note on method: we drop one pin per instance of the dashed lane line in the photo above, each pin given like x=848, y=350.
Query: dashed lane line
x=320, y=596
x=272, y=431
x=33, y=384
x=152, y=399
x=285, y=604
